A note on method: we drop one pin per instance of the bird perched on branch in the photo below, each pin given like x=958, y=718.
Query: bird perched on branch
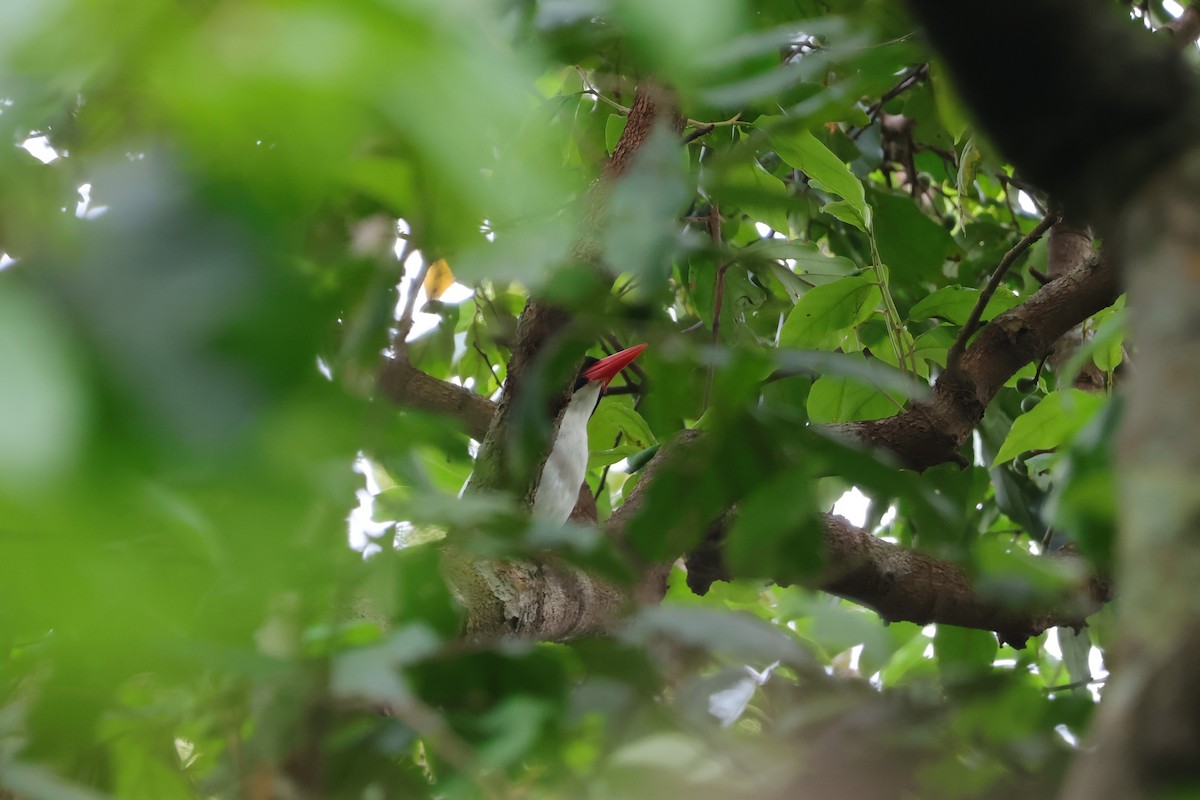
x=562, y=475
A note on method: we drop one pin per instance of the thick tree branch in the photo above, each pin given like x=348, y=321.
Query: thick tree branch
x=930, y=433
x=1069, y=245
x=409, y=387
x=550, y=599
x=906, y=585
x=972, y=324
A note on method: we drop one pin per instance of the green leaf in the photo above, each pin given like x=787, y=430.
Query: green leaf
x=391, y=181
x=38, y=783
x=968, y=167
x=746, y=185
x=514, y=727
x=834, y=398
x=869, y=371
x=1015, y=495
x=912, y=245
x=809, y=258
x=933, y=344
x=369, y=673
x=611, y=418
x=803, y=151
x=1106, y=346
x=847, y=212
x=1083, y=502
x=1015, y=577
x=639, y=229
x=955, y=303
x=681, y=56
x=140, y=772
x=963, y=652
x=1051, y=423
x=825, y=312
x=769, y=539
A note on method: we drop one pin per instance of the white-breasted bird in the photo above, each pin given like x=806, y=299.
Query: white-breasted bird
x=563, y=473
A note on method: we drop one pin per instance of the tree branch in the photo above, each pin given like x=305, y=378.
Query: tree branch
x=907, y=585
x=904, y=585
x=972, y=324
x=930, y=433
x=409, y=387
x=873, y=574
x=1069, y=245
x=552, y=600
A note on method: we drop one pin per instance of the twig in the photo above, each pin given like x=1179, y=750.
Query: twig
x=488, y=361
x=972, y=324
x=1029, y=191
x=1012, y=212
x=907, y=82
x=701, y=130
x=1066, y=687
x=588, y=88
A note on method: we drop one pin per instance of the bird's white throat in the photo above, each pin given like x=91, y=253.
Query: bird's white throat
x=562, y=475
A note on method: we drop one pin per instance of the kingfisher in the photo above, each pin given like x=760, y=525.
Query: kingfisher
x=565, y=467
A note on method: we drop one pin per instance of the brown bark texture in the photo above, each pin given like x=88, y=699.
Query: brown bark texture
x=1147, y=734
x=1068, y=245
x=931, y=433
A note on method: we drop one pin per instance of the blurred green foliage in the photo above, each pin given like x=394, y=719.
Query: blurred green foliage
x=194, y=299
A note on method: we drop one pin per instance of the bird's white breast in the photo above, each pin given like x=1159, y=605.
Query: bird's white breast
x=562, y=475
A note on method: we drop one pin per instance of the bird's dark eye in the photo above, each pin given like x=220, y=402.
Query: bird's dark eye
x=588, y=361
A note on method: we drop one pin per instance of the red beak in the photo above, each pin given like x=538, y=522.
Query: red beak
x=606, y=369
